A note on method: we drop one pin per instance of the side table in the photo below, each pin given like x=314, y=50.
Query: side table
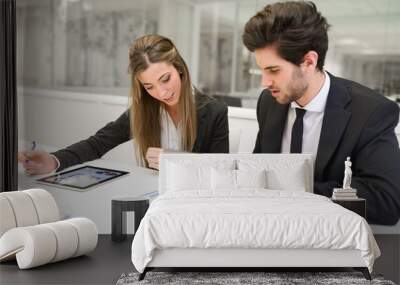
x=358, y=205
x=119, y=207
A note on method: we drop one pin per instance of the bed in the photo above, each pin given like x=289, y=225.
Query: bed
x=247, y=210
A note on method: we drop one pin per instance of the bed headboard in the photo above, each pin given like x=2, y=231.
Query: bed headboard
x=286, y=170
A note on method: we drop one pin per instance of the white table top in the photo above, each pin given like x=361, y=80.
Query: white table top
x=95, y=204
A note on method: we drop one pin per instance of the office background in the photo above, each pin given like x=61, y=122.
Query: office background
x=82, y=45
x=72, y=59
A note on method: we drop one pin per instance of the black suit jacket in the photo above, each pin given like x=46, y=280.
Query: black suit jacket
x=358, y=123
x=212, y=134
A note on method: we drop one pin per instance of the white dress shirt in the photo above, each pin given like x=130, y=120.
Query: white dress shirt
x=171, y=136
x=312, y=121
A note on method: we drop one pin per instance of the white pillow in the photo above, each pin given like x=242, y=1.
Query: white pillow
x=251, y=178
x=236, y=179
x=223, y=179
x=182, y=177
x=293, y=179
x=289, y=175
x=187, y=174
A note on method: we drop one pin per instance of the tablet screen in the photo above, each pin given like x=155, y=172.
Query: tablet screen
x=82, y=177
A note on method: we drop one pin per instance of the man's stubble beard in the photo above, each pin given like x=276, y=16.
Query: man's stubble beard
x=297, y=88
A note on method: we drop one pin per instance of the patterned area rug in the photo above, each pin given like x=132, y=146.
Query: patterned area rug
x=269, y=278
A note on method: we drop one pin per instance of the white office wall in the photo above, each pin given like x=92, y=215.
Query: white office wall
x=59, y=118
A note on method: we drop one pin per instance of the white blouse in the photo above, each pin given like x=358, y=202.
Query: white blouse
x=171, y=136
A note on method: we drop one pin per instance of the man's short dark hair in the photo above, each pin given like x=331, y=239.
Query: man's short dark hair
x=294, y=28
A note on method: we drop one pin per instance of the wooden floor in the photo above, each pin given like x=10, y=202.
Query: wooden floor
x=111, y=259
x=102, y=266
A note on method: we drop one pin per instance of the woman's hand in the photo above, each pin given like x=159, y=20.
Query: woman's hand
x=153, y=157
x=37, y=162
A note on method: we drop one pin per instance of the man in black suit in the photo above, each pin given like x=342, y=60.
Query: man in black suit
x=306, y=109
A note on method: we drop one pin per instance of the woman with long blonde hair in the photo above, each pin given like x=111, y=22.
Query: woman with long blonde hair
x=166, y=113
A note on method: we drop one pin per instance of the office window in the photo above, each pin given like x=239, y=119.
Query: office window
x=83, y=44
x=363, y=45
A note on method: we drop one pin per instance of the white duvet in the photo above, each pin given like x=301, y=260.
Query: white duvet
x=250, y=219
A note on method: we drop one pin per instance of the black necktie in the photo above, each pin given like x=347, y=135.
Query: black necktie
x=297, y=132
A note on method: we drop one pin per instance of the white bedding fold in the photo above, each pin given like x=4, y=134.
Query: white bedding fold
x=250, y=218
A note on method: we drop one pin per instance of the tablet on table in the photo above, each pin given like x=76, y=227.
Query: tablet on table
x=83, y=178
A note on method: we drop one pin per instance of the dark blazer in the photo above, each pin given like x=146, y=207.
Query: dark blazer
x=212, y=134
x=358, y=123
